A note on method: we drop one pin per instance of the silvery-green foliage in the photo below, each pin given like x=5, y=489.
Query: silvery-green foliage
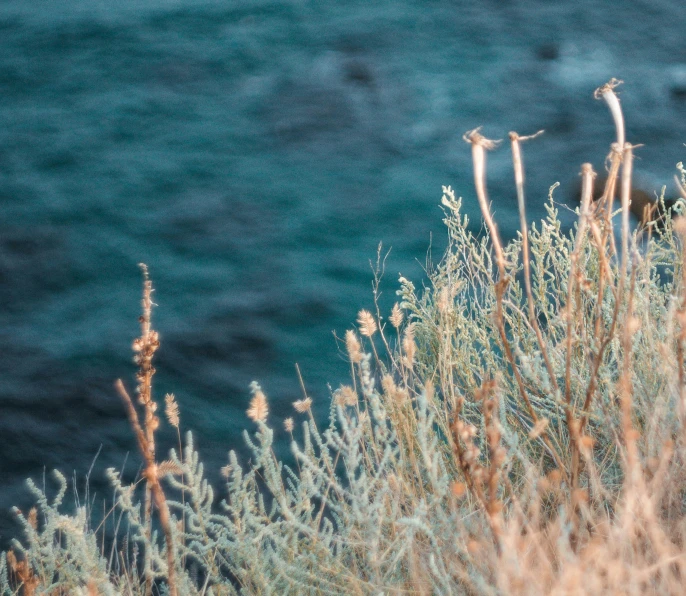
x=4, y=577
x=459, y=342
x=62, y=549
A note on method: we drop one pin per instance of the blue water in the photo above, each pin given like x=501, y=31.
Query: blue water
x=254, y=154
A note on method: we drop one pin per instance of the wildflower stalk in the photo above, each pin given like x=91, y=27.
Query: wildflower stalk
x=153, y=482
x=145, y=347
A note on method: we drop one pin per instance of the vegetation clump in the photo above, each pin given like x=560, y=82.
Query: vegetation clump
x=516, y=427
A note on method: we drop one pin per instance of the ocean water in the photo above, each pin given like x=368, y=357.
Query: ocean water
x=254, y=154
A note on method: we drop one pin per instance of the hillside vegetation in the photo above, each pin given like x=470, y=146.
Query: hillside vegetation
x=517, y=426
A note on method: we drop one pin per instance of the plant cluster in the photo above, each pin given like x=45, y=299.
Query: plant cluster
x=517, y=426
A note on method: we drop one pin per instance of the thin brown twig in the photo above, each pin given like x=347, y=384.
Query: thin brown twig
x=625, y=385
x=586, y=193
x=604, y=273
x=153, y=480
x=472, y=471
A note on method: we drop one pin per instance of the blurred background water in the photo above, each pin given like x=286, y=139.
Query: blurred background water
x=254, y=153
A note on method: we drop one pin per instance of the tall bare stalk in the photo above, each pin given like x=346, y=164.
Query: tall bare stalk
x=479, y=146
x=602, y=237
x=145, y=347
x=588, y=175
x=153, y=482
x=627, y=159
x=681, y=318
x=519, y=183
x=607, y=93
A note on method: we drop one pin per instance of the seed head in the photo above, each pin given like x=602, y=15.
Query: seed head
x=367, y=324
x=303, y=405
x=396, y=317
x=345, y=396
x=409, y=345
x=352, y=344
x=172, y=410
x=258, y=410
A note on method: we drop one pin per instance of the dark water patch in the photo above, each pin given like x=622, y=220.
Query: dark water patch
x=33, y=265
x=548, y=51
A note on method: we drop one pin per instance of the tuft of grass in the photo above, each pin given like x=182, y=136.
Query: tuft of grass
x=519, y=428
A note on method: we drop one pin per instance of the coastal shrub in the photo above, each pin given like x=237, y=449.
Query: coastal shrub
x=516, y=426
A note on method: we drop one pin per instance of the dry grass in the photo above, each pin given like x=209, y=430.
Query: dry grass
x=519, y=428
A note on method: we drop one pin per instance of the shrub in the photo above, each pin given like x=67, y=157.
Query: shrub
x=515, y=427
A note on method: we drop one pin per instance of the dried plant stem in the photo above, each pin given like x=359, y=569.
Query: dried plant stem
x=607, y=337
x=145, y=351
x=607, y=93
x=519, y=183
x=145, y=347
x=681, y=337
x=153, y=480
x=587, y=174
x=378, y=271
x=625, y=390
x=627, y=161
x=607, y=200
x=479, y=145
x=605, y=273
x=172, y=412
x=496, y=456
x=476, y=477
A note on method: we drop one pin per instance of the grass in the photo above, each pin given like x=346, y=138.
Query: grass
x=516, y=427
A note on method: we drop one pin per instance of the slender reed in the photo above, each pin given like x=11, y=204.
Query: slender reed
x=519, y=183
x=145, y=347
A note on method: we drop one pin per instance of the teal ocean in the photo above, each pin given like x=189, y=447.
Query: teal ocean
x=254, y=154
